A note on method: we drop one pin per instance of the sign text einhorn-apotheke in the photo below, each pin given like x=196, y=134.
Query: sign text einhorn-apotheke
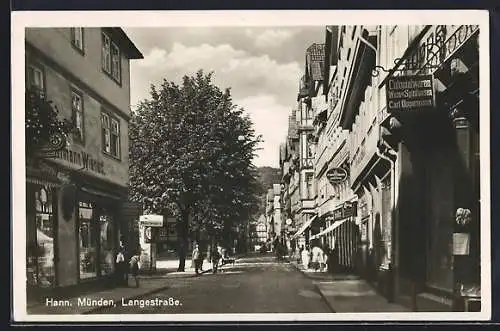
x=406, y=93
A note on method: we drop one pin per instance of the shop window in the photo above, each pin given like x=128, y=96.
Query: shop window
x=88, y=241
x=106, y=247
x=77, y=116
x=386, y=220
x=77, y=39
x=40, y=267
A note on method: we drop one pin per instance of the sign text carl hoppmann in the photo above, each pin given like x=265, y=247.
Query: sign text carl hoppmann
x=410, y=92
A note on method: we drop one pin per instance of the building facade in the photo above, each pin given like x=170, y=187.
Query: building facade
x=290, y=195
x=336, y=203
x=395, y=169
x=75, y=197
x=414, y=160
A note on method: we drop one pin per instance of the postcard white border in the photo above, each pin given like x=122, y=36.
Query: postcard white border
x=20, y=20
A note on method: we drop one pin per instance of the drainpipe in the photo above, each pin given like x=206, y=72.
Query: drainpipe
x=391, y=279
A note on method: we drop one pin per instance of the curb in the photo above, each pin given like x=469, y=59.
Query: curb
x=323, y=297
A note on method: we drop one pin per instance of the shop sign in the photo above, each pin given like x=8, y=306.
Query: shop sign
x=81, y=159
x=336, y=175
x=347, y=210
x=406, y=93
x=151, y=220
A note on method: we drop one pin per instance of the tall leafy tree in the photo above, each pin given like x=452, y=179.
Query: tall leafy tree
x=191, y=153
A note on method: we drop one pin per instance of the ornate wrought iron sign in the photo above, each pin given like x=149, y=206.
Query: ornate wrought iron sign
x=436, y=46
x=56, y=143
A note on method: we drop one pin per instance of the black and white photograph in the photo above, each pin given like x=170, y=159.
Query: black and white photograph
x=251, y=166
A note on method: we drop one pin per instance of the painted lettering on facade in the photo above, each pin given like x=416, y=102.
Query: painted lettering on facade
x=82, y=159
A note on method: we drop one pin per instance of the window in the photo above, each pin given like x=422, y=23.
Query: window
x=310, y=187
x=110, y=135
x=106, y=53
x=77, y=38
x=40, y=268
x=111, y=63
x=36, y=78
x=115, y=62
x=77, y=115
x=88, y=240
x=115, y=138
x=106, y=246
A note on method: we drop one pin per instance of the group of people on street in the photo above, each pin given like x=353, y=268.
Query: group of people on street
x=316, y=258
x=217, y=256
x=126, y=262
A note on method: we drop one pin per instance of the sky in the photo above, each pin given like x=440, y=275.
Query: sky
x=261, y=65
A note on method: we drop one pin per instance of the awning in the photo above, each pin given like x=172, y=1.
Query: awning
x=329, y=229
x=304, y=227
x=42, y=238
x=100, y=193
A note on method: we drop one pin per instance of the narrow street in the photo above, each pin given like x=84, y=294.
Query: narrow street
x=252, y=285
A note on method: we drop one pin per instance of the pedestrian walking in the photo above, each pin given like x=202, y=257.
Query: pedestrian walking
x=134, y=268
x=305, y=258
x=121, y=267
x=197, y=259
x=326, y=253
x=215, y=255
x=317, y=257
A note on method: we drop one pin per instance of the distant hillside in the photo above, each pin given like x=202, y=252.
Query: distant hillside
x=267, y=176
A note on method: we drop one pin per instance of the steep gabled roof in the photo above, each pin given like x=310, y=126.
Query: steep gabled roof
x=315, y=61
